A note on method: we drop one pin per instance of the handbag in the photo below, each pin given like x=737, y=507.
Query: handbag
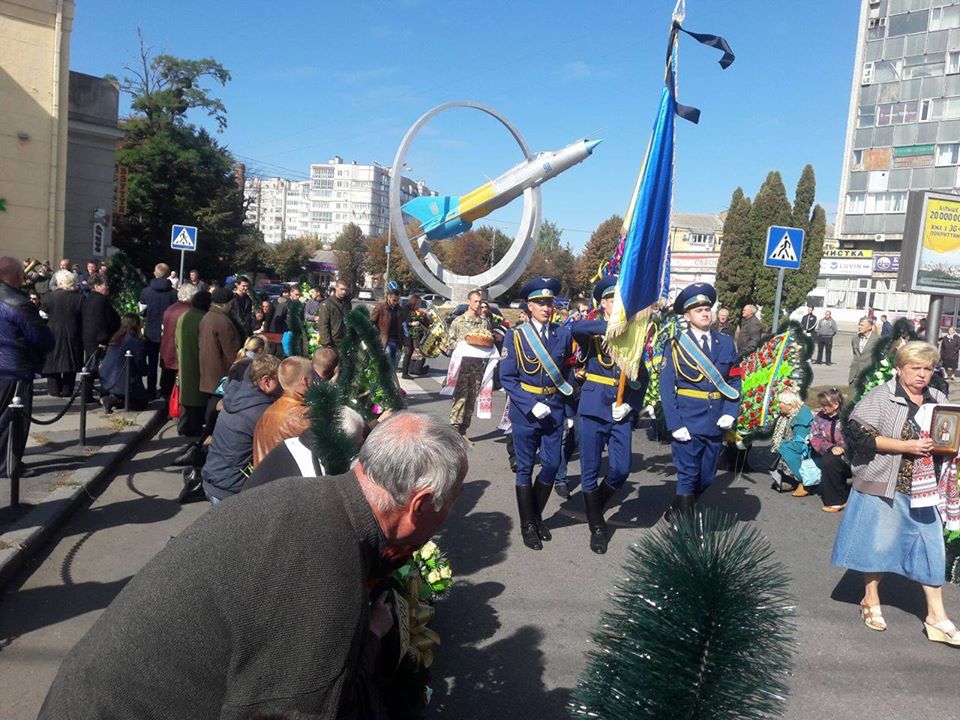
x=809, y=471
x=173, y=405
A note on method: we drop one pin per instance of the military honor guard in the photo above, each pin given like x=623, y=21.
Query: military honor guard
x=699, y=392
x=532, y=374
x=604, y=423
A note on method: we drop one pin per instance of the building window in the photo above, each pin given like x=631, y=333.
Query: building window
x=886, y=202
x=921, y=66
x=897, y=113
x=948, y=154
x=926, y=110
x=700, y=238
x=866, y=116
x=953, y=61
x=857, y=163
x=944, y=18
x=855, y=203
x=908, y=23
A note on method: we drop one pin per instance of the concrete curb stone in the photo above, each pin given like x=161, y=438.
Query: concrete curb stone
x=17, y=546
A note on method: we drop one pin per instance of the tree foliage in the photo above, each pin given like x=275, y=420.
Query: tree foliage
x=770, y=207
x=598, y=250
x=548, y=239
x=350, y=249
x=177, y=172
x=289, y=257
x=799, y=283
x=736, y=267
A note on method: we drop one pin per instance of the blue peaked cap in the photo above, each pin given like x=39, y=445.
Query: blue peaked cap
x=541, y=288
x=696, y=295
x=605, y=287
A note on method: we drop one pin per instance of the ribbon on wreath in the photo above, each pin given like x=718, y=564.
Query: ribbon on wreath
x=413, y=614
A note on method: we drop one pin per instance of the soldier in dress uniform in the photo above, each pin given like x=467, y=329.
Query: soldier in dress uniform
x=699, y=392
x=532, y=374
x=603, y=422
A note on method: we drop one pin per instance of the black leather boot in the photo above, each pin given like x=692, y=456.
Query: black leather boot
x=542, y=493
x=526, y=508
x=189, y=457
x=192, y=487
x=598, y=528
x=685, y=504
x=606, y=493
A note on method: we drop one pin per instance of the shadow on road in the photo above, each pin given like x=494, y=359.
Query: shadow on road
x=895, y=591
x=481, y=539
x=500, y=680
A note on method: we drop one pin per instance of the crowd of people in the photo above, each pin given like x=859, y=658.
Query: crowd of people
x=235, y=372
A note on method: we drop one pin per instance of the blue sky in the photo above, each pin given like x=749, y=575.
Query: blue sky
x=315, y=79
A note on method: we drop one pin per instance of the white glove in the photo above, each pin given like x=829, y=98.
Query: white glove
x=649, y=411
x=540, y=411
x=569, y=423
x=621, y=411
x=725, y=422
x=683, y=435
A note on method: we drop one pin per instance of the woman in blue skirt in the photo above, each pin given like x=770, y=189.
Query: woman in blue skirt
x=881, y=530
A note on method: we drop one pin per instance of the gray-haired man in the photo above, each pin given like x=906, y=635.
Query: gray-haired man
x=262, y=604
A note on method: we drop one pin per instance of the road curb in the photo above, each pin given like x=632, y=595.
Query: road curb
x=19, y=545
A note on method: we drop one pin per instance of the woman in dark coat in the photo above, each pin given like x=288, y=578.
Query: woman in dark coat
x=63, y=309
x=113, y=373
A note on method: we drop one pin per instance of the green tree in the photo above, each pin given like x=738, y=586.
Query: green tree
x=598, y=250
x=799, y=283
x=736, y=266
x=770, y=207
x=252, y=254
x=289, y=257
x=548, y=239
x=177, y=172
x=496, y=238
x=350, y=248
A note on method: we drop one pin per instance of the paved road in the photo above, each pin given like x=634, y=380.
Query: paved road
x=517, y=623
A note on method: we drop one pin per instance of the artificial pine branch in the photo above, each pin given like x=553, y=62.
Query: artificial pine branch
x=360, y=350
x=333, y=448
x=699, y=629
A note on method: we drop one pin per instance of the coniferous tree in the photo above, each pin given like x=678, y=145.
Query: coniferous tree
x=798, y=283
x=770, y=207
x=736, y=267
x=598, y=250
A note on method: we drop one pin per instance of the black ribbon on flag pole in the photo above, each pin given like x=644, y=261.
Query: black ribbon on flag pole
x=688, y=112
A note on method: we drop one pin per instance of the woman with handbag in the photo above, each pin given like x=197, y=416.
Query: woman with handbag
x=790, y=443
x=827, y=442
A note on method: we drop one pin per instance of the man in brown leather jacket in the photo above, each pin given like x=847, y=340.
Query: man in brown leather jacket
x=288, y=417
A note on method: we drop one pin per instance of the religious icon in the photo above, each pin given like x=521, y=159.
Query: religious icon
x=944, y=430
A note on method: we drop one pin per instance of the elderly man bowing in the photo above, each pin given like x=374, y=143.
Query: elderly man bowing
x=262, y=605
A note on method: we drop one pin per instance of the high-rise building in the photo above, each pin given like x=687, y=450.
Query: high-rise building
x=903, y=134
x=336, y=195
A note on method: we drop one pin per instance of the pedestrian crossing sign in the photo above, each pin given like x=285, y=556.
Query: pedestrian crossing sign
x=784, y=247
x=183, y=237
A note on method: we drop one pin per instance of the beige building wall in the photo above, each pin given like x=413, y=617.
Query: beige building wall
x=34, y=81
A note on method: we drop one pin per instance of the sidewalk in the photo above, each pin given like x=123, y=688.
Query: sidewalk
x=59, y=474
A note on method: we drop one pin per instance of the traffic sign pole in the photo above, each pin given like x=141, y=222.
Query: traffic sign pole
x=776, y=302
x=183, y=254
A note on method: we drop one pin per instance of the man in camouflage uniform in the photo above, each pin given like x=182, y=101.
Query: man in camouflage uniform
x=471, y=368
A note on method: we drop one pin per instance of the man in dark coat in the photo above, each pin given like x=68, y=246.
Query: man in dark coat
x=724, y=323
x=808, y=323
x=862, y=344
x=243, y=304
x=99, y=321
x=330, y=324
x=388, y=318
x=261, y=607
x=950, y=352
x=748, y=339
x=24, y=340
x=220, y=340
x=155, y=298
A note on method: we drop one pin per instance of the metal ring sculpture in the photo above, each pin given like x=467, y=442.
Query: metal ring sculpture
x=438, y=278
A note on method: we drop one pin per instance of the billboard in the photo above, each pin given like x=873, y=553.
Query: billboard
x=930, y=261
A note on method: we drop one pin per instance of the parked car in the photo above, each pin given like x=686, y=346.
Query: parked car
x=433, y=299
x=270, y=291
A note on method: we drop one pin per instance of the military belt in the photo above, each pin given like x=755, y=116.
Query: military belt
x=538, y=390
x=699, y=394
x=602, y=379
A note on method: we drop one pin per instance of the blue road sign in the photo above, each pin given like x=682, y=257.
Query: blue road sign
x=183, y=237
x=784, y=247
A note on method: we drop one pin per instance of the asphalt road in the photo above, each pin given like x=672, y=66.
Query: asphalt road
x=517, y=623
